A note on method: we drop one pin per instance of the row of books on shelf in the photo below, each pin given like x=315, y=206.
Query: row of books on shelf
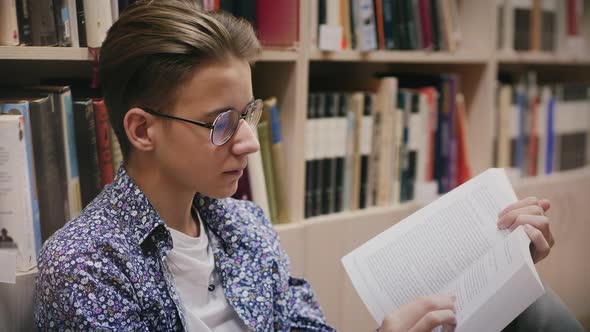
x=77, y=23
x=58, y=153
x=84, y=23
x=541, y=129
x=366, y=149
x=541, y=25
x=385, y=24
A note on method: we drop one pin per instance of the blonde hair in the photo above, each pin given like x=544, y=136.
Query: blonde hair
x=155, y=46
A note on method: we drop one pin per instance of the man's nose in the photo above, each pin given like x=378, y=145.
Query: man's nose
x=245, y=140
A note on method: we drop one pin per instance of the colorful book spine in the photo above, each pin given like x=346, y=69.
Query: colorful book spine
x=8, y=23
x=62, y=22
x=50, y=168
x=24, y=22
x=85, y=126
x=277, y=22
x=16, y=220
x=105, y=157
x=278, y=161
x=22, y=108
x=265, y=150
x=549, y=160
x=43, y=31
x=98, y=19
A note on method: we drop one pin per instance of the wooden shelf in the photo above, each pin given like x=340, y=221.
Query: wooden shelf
x=44, y=53
x=278, y=56
x=379, y=212
x=540, y=58
x=82, y=54
x=399, y=57
x=369, y=213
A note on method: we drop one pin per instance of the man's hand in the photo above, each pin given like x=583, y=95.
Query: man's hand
x=530, y=212
x=421, y=315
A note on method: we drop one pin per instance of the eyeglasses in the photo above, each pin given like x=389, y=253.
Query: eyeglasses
x=225, y=124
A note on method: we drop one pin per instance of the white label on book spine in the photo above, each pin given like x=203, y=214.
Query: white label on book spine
x=330, y=38
x=340, y=136
x=366, y=134
x=309, y=139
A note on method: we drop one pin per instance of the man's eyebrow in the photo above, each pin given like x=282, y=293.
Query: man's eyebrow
x=218, y=111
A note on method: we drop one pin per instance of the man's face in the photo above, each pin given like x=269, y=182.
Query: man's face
x=185, y=151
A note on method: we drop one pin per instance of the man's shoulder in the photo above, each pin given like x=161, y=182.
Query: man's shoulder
x=247, y=212
x=96, y=229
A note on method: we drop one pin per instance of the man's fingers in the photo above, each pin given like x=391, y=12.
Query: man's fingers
x=545, y=204
x=541, y=247
x=509, y=218
x=416, y=309
x=517, y=205
x=433, y=319
x=539, y=222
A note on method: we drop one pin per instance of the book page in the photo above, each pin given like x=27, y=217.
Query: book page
x=485, y=291
x=424, y=253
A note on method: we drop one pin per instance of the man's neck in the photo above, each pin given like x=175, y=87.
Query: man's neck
x=172, y=201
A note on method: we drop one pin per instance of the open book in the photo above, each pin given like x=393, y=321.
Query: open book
x=452, y=246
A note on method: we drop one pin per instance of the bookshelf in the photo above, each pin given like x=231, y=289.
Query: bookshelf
x=289, y=74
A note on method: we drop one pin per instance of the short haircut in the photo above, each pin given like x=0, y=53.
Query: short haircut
x=155, y=46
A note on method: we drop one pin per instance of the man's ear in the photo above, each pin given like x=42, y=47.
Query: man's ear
x=137, y=125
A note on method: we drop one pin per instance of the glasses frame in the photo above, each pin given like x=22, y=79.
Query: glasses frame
x=242, y=116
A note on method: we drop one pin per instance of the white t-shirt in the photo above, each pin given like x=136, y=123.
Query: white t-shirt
x=193, y=268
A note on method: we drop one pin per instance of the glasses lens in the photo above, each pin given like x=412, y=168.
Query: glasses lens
x=253, y=114
x=224, y=127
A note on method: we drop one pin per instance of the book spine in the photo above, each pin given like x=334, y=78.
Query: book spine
x=277, y=22
x=320, y=130
x=278, y=160
x=105, y=157
x=265, y=142
x=378, y=4
x=388, y=24
x=81, y=23
x=436, y=33
x=87, y=151
x=9, y=31
x=550, y=136
x=43, y=32
x=62, y=23
x=73, y=18
x=71, y=157
x=22, y=108
x=309, y=155
x=98, y=19
x=50, y=172
x=426, y=24
x=366, y=34
x=15, y=206
x=24, y=22
x=365, y=148
x=341, y=144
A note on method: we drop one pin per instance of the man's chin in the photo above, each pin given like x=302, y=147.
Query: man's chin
x=221, y=193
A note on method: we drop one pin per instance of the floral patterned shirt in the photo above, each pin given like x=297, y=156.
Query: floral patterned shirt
x=107, y=268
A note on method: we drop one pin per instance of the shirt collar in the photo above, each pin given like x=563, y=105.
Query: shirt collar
x=133, y=206
x=135, y=209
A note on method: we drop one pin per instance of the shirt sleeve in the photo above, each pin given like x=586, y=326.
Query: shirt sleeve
x=77, y=290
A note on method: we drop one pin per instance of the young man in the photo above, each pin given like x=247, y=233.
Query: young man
x=163, y=248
